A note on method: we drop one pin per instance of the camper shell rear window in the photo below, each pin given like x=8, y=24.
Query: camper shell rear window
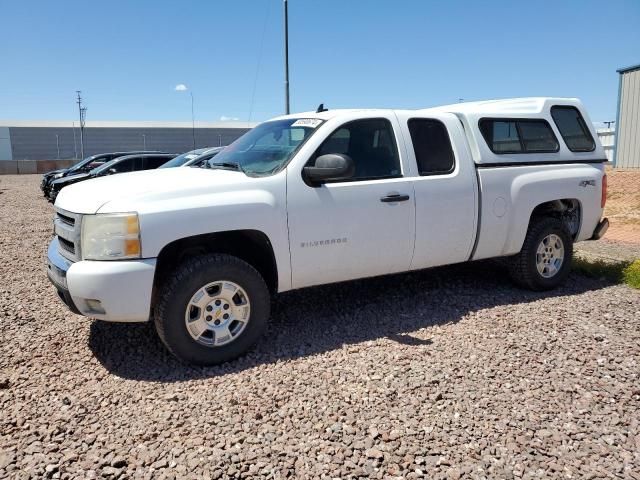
x=518, y=135
x=573, y=129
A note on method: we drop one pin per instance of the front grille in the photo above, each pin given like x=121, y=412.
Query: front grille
x=67, y=245
x=67, y=227
x=66, y=219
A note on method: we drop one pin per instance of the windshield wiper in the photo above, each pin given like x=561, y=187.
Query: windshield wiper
x=231, y=165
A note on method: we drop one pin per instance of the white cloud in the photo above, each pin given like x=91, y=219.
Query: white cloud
x=224, y=118
x=181, y=87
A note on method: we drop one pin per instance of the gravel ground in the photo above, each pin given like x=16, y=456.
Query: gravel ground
x=609, y=250
x=446, y=373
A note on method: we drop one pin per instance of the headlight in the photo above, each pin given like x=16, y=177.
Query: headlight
x=110, y=236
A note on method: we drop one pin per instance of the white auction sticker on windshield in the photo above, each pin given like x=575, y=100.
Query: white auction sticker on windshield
x=307, y=122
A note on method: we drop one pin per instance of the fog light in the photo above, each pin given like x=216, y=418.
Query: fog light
x=95, y=306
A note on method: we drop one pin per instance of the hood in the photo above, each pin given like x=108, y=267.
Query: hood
x=61, y=182
x=54, y=172
x=129, y=191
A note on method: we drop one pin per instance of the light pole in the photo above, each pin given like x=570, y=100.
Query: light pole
x=58, y=145
x=193, y=122
x=286, y=57
x=181, y=87
x=144, y=142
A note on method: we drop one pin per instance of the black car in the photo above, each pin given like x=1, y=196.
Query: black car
x=194, y=158
x=126, y=163
x=84, y=166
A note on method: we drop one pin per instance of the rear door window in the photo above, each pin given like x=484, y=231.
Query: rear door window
x=154, y=162
x=432, y=146
x=127, y=165
x=573, y=129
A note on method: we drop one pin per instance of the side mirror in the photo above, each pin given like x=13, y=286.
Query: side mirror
x=111, y=171
x=333, y=166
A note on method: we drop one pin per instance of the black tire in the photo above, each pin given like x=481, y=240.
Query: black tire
x=522, y=266
x=174, y=297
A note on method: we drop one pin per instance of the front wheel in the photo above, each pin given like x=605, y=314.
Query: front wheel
x=213, y=309
x=545, y=259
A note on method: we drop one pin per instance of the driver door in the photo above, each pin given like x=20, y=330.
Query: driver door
x=360, y=227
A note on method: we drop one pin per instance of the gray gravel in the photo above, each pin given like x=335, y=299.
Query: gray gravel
x=608, y=251
x=447, y=373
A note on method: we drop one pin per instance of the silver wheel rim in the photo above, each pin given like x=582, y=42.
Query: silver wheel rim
x=550, y=255
x=217, y=313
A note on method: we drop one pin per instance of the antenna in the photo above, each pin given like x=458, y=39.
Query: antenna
x=321, y=108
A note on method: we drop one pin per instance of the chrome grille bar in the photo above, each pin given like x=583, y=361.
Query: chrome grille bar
x=67, y=227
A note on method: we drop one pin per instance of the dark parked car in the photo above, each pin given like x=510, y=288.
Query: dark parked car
x=127, y=163
x=84, y=166
x=194, y=158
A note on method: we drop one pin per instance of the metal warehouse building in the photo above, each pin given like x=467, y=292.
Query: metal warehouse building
x=627, y=149
x=34, y=147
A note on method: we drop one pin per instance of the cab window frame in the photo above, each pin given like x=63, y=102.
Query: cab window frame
x=453, y=153
x=311, y=161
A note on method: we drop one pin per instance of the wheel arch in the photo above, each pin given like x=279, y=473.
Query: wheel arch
x=252, y=246
x=567, y=210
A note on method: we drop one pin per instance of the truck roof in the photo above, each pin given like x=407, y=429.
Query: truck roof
x=471, y=114
x=509, y=107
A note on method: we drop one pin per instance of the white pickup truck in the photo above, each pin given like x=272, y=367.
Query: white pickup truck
x=328, y=196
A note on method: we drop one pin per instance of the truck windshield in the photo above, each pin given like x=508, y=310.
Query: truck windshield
x=268, y=147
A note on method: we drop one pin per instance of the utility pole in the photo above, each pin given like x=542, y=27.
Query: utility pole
x=82, y=111
x=286, y=56
x=75, y=145
x=193, y=122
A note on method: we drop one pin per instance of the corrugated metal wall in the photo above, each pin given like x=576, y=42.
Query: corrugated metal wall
x=36, y=143
x=5, y=144
x=628, y=126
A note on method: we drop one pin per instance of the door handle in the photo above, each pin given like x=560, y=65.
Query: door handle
x=396, y=197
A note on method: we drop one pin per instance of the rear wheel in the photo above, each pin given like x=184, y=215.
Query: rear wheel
x=545, y=259
x=213, y=309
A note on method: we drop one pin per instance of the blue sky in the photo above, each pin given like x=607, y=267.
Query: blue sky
x=128, y=56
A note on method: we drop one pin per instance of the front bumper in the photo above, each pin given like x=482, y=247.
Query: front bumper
x=57, y=267
x=116, y=291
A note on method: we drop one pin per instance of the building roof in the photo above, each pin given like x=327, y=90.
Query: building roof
x=118, y=124
x=628, y=69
